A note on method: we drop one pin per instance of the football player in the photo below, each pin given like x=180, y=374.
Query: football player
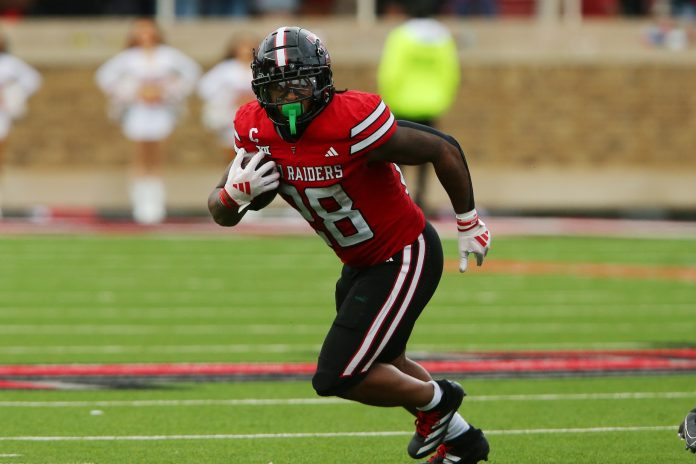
x=333, y=157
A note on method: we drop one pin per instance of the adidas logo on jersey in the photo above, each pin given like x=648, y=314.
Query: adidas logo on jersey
x=331, y=152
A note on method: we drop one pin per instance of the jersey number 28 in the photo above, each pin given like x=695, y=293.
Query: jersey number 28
x=334, y=208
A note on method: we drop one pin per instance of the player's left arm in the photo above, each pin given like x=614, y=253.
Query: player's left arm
x=224, y=212
x=414, y=144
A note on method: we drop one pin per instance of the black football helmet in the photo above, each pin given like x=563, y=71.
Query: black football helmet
x=292, y=77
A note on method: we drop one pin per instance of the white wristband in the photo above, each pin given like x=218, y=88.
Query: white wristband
x=467, y=221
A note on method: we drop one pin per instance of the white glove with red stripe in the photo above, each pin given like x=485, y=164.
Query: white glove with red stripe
x=474, y=237
x=246, y=183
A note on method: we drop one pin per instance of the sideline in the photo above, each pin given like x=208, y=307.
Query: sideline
x=498, y=363
x=605, y=270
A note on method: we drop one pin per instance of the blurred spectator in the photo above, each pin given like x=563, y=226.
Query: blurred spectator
x=92, y=7
x=14, y=9
x=635, y=7
x=597, y=8
x=473, y=7
x=667, y=33
x=130, y=7
x=226, y=7
x=195, y=8
x=673, y=25
x=685, y=12
x=226, y=87
x=183, y=8
x=418, y=74
x=684, y=9
x=18, y=81
x=277, y=7
x=147, y=85
x=187, y=8
x=390, y=7
x=320, y=7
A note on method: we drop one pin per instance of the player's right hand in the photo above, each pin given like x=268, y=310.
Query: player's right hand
x=246, y=183
x=474, y=238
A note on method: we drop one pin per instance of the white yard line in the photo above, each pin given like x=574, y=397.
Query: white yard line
x=166, y=403
x=493, y=327
x=586, y=396
x=331, y=401
x=486, y=301
x=162, y=349
x=142, y=329
x=416, y=348
x=325, y=434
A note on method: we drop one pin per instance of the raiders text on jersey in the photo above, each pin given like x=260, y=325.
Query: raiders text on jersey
x=311, y=173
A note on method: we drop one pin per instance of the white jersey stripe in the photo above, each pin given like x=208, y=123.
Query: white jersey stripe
x=374, y=137
x=237, y=139
x=401, y=176
x=404, y=305
x=369, y=120
x=281, y=58
x=381, y=316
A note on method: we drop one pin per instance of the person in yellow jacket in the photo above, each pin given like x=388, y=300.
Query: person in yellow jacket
x=418, y=75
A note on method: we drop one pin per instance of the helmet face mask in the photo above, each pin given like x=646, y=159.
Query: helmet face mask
x=292, y=66
x=281, y=92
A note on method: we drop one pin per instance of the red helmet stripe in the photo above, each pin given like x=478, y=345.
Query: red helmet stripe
x=281, y=59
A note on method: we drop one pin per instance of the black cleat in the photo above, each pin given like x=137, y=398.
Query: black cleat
x=431, y=426
x=687, y=430
x=468, y=448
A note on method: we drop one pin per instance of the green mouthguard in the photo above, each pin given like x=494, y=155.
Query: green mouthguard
x=292, y=111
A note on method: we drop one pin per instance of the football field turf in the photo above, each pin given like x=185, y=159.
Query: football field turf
x=211, y=299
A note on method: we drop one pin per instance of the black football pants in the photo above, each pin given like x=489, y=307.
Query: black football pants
x=377, y=307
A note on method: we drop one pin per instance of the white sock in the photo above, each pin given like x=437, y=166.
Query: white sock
x=148, y=200
x=437, y=396
x=456, y=427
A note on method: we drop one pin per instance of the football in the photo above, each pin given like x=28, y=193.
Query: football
x=265, y=199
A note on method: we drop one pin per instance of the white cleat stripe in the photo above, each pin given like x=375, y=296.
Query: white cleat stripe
x=428, y=448
x=435, y=433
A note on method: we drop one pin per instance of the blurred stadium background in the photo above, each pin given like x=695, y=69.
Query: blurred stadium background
x=565, y=107
x=582, y=110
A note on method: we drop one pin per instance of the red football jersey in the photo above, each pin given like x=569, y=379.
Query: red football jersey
x=362, y=211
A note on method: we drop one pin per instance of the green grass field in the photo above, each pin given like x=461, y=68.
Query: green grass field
x=148, y=298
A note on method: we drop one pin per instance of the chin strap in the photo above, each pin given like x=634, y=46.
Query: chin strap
x=292, y=111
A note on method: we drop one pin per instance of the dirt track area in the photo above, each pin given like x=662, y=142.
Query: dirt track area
x=621, y=271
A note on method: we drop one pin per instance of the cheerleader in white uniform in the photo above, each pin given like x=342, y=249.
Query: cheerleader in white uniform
x=147, y=85
x=18, y=81
x=225, y=88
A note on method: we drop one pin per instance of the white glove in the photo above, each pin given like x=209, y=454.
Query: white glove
x=474, y=237
x=246, y=183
